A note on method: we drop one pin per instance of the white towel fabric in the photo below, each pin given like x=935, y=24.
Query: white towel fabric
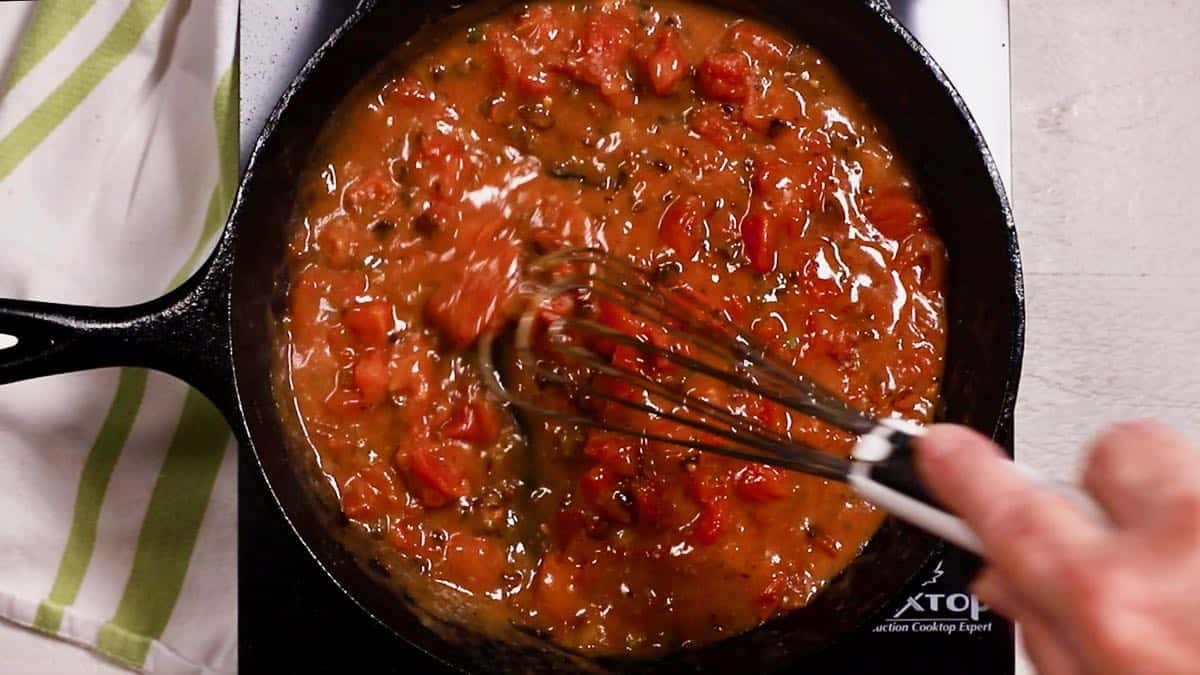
x=118, y=158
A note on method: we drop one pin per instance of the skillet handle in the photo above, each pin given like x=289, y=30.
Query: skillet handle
x=184, y=333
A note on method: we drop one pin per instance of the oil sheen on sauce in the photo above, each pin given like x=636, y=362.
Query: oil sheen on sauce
x=711, y=149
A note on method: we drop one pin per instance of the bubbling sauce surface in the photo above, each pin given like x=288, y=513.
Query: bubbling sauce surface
x=709, y=148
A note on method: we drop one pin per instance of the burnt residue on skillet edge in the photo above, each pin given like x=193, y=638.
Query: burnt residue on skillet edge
x=960, y=183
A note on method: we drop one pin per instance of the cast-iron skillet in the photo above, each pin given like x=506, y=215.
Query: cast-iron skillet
x=215, y=330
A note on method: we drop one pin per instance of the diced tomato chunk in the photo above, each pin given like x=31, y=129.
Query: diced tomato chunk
x=472, y=422
x=613, y=452
x=820, y=284
x=711, y=523
x=360, y=500
x=760, y=483
x=894, y=213
x=370, y=194
x=475, y=563
x=555, y=591
x=366, y=493
x=650, y=504
x=346, y=403
x=725, y=76
x=768, y=413
x=682, y=225
x=605, y=47
x=759, y=241
x=665, y=66
x=704, y=487
x=712, y=124
x=337, y=243
x=406, y=91
x=767, y=602
x=433, y=477
x=464, y=307
x=371, y=376
x=370, y=322
x=767, y=49
x=406, y=535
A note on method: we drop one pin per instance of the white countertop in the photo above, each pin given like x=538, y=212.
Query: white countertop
x=1104, y=139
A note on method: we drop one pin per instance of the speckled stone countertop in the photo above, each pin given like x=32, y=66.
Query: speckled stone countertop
x=1105, y=136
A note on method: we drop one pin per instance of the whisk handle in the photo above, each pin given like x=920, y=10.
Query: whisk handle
x=884, y=471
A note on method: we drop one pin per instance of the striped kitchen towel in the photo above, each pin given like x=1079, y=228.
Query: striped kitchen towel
x=118, y=163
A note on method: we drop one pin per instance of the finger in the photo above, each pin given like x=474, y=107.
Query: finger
x=990, y=587
x=1047, y=648
x=1133, y=468
x=1044, y=646
x=1029, y=534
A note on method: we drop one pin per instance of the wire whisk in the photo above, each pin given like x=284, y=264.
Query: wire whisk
x=632, y=354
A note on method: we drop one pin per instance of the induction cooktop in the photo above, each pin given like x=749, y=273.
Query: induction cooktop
x=292, y=619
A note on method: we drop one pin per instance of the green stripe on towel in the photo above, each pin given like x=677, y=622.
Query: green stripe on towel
x=168, y=534
x=120, y=41
x=93, y=484
x=182, y=491
x=184, y=486
x=50, y=24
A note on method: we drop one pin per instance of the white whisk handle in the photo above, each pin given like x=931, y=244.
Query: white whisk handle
x=883, y=472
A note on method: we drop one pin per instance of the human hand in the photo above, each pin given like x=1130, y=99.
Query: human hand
x=1092, y=598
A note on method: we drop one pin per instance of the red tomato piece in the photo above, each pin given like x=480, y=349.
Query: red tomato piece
x=682, y=225
x=665, y=66
x=711, y=523
x=650, y=504
x=360, y=499
x=819, y=282
x=925, y=254
x=759, y=241
x=894, y=213
x=705, y=487
x=725, y=76
x=767, y=49
x=613, y=452
x=767, y=602
x=371, y=376
x=433, y=477
x=712, y=124
x=407, y=535
x=768, y=413
x=604, y=50
x=337, y=243
x=475, y=563
x=463, y=307
x=405, y=91
x=472, y=422
x=555, y=592
x=369, y=322
x=346, y=403
x=760, y=484
x=370, y=194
